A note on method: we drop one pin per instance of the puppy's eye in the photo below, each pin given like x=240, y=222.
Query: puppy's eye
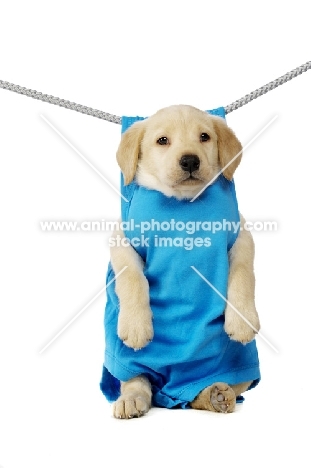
x=162, y=141
x=204, y=137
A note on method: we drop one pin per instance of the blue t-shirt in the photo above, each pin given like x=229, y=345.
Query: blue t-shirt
x=190, y=349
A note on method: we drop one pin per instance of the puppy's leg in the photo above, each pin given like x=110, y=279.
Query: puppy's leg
x=241, y=388
x=241, y=290
x=135, y=399
x=135, y=317
x=219, y=397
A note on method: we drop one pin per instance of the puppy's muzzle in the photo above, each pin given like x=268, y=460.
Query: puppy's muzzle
x=189, y=163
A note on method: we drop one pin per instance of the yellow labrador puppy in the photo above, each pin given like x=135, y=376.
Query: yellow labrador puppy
x=180, y=319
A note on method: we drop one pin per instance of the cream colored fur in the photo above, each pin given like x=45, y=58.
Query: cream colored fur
x=157, y=167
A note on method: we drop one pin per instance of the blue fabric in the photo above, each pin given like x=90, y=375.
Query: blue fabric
x=190, y=349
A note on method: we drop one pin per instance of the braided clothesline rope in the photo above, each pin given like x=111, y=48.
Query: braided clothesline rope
x=116, y=119
x=268, y=87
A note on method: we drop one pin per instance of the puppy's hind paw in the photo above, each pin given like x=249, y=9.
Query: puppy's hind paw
x=130, y=406
x=222, y=398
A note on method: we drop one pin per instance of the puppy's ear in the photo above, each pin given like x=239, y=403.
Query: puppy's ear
x=228, y=148
x=129, y=150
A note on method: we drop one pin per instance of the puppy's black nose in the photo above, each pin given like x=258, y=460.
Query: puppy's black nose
x=189, y=162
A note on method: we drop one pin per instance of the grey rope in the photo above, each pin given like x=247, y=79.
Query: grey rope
x=116, y=119
x=268, y=87
x=60, y=102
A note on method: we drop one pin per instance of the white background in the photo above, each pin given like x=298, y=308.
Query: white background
x=133, y=58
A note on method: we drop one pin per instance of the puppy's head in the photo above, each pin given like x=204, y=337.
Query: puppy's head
x=178, y=150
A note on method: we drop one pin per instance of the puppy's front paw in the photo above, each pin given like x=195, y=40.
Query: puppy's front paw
x=237, y=326
x=135, y=330
x=130, y=406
